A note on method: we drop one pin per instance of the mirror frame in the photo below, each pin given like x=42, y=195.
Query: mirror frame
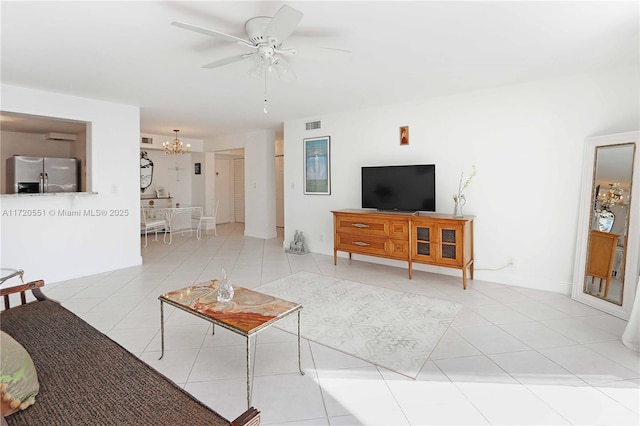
x=145, y=164
x=632, y=261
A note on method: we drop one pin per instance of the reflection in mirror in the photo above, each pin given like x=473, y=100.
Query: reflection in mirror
x=611, y=200
x=605, y=221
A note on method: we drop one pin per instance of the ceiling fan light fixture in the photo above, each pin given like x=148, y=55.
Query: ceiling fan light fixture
x=257, y=70
x=283, y=69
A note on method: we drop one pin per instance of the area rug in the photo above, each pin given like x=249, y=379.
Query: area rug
x=388, y=328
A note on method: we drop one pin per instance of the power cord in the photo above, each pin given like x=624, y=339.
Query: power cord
x=493, y=269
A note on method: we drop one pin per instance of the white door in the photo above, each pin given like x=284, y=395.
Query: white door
x=280, y=191
x=238, y=188
x=223, y=188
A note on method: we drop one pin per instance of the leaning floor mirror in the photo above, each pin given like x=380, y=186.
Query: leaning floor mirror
x=608, y=238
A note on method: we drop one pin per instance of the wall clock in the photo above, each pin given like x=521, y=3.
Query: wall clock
x=146, y=171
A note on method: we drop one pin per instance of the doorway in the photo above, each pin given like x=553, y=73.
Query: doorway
x=230, y=187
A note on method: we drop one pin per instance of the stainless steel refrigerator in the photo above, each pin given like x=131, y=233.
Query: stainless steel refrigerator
x=41, y=174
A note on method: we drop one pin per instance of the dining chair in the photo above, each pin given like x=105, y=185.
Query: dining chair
x=208, y=217
x=148, y=223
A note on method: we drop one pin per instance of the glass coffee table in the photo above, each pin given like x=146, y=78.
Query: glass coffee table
x=246, y=314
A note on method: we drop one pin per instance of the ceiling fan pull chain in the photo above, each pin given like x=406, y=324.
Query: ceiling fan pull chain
x=265, y=93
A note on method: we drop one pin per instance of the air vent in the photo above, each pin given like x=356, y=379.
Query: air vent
x=59, y=137
x=312, y=125
x=147, y=140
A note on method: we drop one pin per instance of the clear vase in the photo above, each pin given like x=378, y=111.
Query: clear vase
x=225, y=289
x=458, y=201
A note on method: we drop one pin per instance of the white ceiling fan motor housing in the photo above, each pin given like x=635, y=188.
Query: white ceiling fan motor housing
x=255, y=28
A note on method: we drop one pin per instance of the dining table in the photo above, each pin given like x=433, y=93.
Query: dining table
x=179, y=219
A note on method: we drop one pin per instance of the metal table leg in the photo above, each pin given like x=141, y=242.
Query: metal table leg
x=299, y=363
x=161, y=329
x=248, y=372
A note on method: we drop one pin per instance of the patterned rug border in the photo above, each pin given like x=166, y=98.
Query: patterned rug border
x=387, y=343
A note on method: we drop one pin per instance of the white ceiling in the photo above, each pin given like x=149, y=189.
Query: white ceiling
x=127, y=52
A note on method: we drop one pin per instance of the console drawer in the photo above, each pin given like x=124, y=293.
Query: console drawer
x=384, y=247
x=361, y=244
x=362, y=226
x=372, y=226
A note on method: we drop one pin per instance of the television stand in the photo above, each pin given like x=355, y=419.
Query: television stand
x=430, y=239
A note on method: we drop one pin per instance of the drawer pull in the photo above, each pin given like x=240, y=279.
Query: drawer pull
x=361, y=243
x=360, y=225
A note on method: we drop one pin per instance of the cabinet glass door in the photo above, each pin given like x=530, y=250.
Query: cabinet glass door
x=449, y=247
x=423, y=241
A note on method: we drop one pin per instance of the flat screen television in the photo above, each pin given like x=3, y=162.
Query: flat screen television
x=399, y=188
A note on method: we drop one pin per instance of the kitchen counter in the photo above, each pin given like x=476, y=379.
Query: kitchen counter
x=48, y=194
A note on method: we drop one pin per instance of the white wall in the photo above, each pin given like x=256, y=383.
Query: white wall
x=259, y=155
x=54, y=247
x=185, y=186
x=177, y=182
x=526, y=141
x=260, y=187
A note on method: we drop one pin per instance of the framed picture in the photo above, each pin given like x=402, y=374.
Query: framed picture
x=404, y=135
x=317, y=166
x=197, y=168
x=161, y=193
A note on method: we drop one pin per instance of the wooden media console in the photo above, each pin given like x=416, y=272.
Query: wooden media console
x=428, y=238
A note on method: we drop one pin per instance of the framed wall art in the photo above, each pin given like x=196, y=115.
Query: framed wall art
x=197, y=168
x=317, y=166
x=404, y=135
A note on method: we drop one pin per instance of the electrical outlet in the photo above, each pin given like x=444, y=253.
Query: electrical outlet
x=511, y=261
x=321, y=237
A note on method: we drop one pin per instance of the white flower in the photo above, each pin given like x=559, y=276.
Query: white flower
x=461, y=186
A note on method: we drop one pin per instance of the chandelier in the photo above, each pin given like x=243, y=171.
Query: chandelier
x=176, y=146
x=613, y=197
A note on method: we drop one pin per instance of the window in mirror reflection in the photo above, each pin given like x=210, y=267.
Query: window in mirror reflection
x=606, y=253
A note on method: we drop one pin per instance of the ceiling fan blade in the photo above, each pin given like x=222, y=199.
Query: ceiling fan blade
x=283, y=23
x=227, y=61
x=308, y=31
x=211, y=33
x=324, y=53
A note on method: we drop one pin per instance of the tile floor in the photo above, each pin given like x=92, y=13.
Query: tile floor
x=512, y=356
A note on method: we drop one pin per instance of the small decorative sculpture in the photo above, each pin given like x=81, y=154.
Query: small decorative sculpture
x=297, y=246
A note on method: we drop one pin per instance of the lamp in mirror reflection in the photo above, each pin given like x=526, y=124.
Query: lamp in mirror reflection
x=176, y=146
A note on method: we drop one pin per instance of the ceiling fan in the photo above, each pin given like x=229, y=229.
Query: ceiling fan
x=265, y=37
